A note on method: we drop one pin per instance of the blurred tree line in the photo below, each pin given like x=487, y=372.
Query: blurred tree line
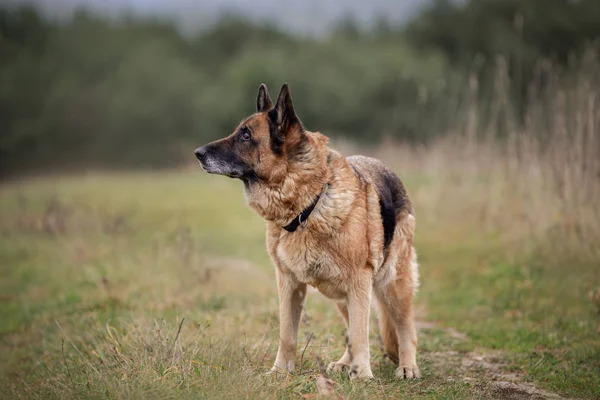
x=93, y=91
x=505, y=44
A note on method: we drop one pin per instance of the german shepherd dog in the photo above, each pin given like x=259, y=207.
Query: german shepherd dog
x=343, y=225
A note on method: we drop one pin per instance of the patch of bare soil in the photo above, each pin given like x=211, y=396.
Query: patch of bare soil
x=489, y=371
x=486, y=369
x=505, y=385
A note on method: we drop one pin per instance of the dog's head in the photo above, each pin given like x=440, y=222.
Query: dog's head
x=259, y=147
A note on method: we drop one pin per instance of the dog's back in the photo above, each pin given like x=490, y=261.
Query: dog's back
x=393, y=200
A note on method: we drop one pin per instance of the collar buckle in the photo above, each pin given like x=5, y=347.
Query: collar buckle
x=302, y=223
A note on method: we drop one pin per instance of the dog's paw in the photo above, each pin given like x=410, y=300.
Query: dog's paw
x=273, y=373
x=360, y=372
x=408, y=372
x=277, y=372
x=337, y=367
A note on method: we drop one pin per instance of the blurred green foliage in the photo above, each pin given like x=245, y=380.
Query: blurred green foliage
x=136, y=92
x=477, y=35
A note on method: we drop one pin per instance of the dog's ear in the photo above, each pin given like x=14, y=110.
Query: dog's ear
x=263, y=101
x=283, y=115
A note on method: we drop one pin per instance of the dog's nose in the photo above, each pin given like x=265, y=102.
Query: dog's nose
x=200, y=152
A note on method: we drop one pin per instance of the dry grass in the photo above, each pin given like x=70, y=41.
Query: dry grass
x=538, y=181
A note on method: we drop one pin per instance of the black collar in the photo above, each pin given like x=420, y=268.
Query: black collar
x=302, y=218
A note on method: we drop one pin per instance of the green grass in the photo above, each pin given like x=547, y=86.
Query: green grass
x=158, y=285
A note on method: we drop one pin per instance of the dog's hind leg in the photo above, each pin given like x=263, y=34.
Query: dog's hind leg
x=396, y=299
x=389, y=336
x=344, y=362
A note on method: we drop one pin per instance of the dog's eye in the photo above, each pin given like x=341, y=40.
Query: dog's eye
x=245, y=134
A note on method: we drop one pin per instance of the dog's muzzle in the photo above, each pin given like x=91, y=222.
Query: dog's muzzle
x=216, y=160
x=200, y=153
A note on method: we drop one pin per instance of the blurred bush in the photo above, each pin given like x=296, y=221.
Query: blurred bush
x=484, y=38
x=135, y=92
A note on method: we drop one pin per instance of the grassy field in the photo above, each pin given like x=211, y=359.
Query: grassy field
x=158, y=285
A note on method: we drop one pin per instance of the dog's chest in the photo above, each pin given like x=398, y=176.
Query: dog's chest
x=313, y=264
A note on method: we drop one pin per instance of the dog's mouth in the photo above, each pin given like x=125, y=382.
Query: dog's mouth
x=217, y=167
x=221, y=162
x=206, y=167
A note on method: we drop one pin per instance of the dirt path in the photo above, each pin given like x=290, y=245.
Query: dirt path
x=486, y=369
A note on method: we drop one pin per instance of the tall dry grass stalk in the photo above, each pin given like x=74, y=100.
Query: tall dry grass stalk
x=537, y=184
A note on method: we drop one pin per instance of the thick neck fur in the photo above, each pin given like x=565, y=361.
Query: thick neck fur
x=282, y=197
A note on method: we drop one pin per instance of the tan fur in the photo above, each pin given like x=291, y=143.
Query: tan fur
x=340, y=251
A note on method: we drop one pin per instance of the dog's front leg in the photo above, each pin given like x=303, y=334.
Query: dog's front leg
x=359, y=303
x=291, y=300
